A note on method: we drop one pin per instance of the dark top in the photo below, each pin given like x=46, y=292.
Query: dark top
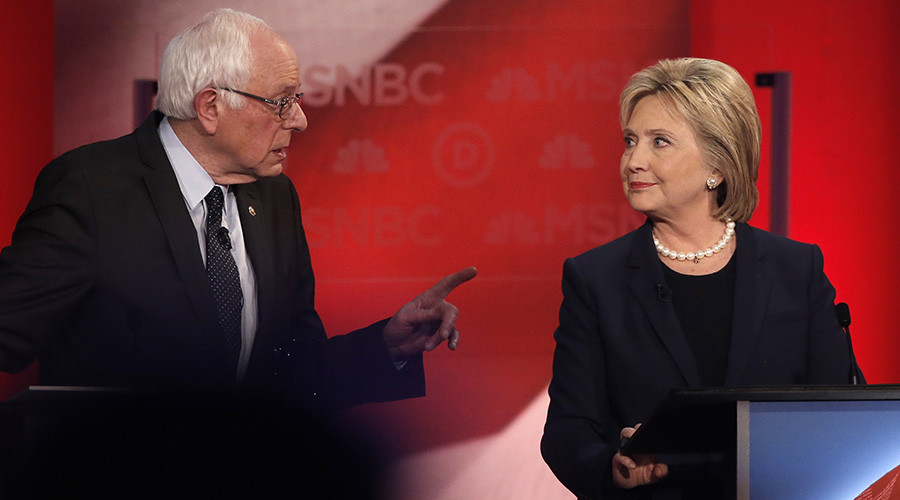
x=104, y=283
x=621, y=349
x=704, y=306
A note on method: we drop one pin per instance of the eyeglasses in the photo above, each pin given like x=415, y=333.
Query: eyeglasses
x=285, y=106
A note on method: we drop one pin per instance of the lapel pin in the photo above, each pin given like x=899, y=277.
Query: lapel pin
x=252, y=211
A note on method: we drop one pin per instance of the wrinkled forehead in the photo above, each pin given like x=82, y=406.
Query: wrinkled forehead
x=274, y=63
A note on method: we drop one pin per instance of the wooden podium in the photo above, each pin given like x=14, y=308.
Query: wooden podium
x=781, y=442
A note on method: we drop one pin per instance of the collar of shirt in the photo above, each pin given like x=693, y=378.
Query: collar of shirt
x=194, y=181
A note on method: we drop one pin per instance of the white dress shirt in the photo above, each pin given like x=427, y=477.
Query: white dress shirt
x=195, y=184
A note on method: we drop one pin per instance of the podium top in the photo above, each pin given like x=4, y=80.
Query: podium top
x=874, y=392
x=704, y=420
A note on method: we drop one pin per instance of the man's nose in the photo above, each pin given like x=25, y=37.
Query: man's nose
x=297, y=120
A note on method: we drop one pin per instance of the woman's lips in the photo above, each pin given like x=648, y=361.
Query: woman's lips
x=640, y=185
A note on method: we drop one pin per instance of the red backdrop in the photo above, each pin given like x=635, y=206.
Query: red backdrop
x=841, y=55
x=503, y=154
x=490, y=137
x=26, y=131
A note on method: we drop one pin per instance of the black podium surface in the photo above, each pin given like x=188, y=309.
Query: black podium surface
x=704, y=420
x=774, y=439
x=97, y=442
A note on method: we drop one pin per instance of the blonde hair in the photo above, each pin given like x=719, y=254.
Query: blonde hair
x=719, y=107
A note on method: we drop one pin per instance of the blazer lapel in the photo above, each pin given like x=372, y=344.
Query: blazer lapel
x=175, y=220
x=254, y=218
x=645, y=283
x=752, y=283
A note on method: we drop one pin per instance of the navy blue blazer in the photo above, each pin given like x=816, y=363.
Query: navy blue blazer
x=620, y=348
x=105, y=285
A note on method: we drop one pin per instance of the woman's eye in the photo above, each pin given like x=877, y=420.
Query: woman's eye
x=660, y=142
x=629, y=142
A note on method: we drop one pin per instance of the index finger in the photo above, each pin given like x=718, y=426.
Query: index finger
x=627, y=432
x=448, y=283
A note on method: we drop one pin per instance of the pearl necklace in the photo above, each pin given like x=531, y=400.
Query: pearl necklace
x=696, y=256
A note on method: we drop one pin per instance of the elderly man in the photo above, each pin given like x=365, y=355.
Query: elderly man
x=174, y=258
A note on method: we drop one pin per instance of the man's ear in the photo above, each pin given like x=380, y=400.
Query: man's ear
x=206, y=103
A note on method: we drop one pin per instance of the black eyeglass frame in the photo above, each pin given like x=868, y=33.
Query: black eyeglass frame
x=286, y=103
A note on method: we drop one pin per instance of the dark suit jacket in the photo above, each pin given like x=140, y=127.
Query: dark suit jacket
x=104, y=283
x=620, y=348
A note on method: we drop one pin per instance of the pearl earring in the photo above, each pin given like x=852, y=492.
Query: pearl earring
x=711, y=183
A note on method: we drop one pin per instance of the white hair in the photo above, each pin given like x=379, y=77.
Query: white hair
x=213, y=53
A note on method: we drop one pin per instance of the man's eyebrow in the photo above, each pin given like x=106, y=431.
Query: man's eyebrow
x=290, y=90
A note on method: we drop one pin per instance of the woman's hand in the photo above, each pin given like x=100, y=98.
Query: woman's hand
x=628, y=472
